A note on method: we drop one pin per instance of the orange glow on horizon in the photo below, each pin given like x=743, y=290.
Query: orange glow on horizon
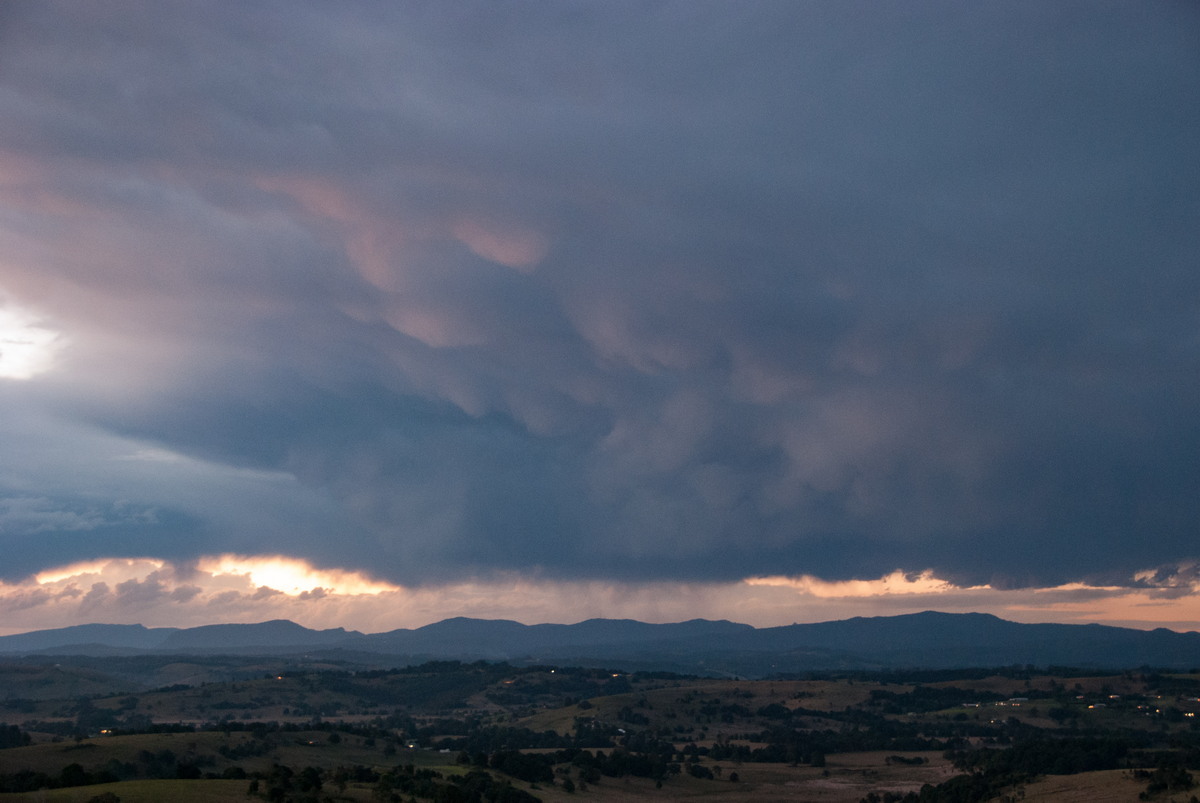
x=897, y=582
x=248, y=588
x=292, y=575
x=104, y=567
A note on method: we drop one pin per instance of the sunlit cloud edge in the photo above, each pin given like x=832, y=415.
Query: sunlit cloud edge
x=248, y=588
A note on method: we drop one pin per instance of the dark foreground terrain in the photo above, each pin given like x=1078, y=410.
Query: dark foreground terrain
x=254, y=728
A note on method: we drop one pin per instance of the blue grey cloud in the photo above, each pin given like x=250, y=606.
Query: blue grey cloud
x=606, y=290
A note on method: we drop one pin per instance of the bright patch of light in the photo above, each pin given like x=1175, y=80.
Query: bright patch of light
x=27, y=348
x=112, y=569
x=153, y=456
x=237, y=588
x=291, y=575
x=895, y=583
x=1069, y=587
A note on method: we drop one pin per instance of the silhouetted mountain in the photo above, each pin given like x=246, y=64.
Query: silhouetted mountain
x=503, y=639
x=944, y=640
x=930, y=639
x=256, y=637
x=134, y=637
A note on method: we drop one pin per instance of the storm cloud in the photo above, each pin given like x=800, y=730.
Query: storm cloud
x=605, y=291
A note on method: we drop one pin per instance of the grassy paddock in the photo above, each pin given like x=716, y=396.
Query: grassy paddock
x=152, y=791
x=1109, y=786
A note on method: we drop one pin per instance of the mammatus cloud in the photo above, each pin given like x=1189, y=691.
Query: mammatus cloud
x=603, y=298
x=239, y=588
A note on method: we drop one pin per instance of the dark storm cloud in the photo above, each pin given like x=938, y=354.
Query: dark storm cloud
x=684, y=290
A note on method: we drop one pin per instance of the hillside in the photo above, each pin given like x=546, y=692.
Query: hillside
x=717, y=648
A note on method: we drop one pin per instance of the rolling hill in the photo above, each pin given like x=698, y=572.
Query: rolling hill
x=930, y=639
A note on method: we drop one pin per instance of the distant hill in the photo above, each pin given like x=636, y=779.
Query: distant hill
x=134, y=637
x=504, y=640
x=929, y=640
x=254, y=637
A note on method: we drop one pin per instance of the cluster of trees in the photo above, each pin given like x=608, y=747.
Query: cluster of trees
x=1170, y=778
x=12, y=736
x=989, y=774
x=285, y=785
x=1045, y=755
x=474, y=787
x=487, y=739
x=923, y=699
x=797, y=746
x=160, y=764
x=146, y=764
x=656, y=763
x=71, y=775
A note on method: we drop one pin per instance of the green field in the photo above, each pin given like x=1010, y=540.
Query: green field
x=550, y=733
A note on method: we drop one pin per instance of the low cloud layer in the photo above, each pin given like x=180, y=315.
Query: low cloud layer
x=603, y=293
x=239, y=588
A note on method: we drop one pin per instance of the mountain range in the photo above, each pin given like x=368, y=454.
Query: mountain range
x=923, y=640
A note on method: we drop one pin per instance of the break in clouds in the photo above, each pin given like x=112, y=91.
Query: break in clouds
x=605, y=292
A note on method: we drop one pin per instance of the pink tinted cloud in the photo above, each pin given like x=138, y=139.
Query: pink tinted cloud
x=511, y=246
x=232, y=589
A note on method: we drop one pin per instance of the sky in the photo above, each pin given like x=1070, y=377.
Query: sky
x=371, y=314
